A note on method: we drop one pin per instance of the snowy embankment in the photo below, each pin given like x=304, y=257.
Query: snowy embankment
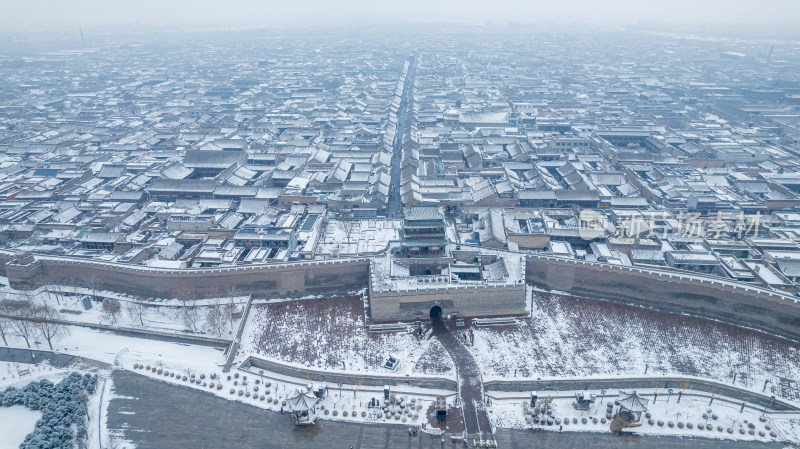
x=330, y=334
x=569, y=337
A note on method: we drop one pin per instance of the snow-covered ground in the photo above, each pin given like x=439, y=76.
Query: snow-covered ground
x=16, y=422
x=366, y=236
x=330, y=334
x=673, y=417
x=158, y=314
x=569, y=337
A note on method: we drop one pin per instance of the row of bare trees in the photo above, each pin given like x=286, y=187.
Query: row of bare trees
x=27, y=319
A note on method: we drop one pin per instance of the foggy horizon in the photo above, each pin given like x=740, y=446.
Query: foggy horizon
x=181, y=14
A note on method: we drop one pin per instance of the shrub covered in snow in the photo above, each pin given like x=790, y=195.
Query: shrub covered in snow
x=63, y=406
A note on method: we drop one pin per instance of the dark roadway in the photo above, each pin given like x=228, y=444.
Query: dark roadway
x=154, y=414
x=471, y=390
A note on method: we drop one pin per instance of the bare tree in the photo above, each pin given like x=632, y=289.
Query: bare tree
x=136, y=311
x=111, y=309
x=49, y=294
x=21, y=311
x=5, y=323
x=230, y=309
x=347, y=226
x=46, y=320
x=187, y=298
x=215, y=319
x=92, y=282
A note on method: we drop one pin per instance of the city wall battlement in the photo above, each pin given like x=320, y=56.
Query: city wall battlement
x=669, y=291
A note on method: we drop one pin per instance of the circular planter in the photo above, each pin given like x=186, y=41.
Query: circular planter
x=689, y=425
x=761, y=433
x=719, y=428
x=602, y=420
x=583, y=420
x=594, y=420
x=232, y=391
x=241, y=393
x=363, y=414
x=709, y=427
x=650, y=421
x=680, y=424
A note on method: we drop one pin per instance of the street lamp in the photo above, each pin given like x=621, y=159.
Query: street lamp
x=603, y=395
x=670, y=393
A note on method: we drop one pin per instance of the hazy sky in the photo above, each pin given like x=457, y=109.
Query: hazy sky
x=34, y=15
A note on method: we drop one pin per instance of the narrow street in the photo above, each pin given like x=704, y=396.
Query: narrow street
x=471, y=391
x=395, y=201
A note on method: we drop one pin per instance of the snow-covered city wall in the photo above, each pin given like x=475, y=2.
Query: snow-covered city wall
x=702, y=296
x=268, y=280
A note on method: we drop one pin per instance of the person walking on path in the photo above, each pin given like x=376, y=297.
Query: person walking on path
x=560, y=427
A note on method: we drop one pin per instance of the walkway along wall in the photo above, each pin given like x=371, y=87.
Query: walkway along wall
x=266, y=281
x=697, y=295
x=334, y=377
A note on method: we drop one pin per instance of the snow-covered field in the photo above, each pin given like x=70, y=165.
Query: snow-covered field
x=571, y=337
x=366, y=236
x=158, y=314
x=16, y=422
x=330, y=334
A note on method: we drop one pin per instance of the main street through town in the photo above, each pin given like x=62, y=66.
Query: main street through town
x=395, y=205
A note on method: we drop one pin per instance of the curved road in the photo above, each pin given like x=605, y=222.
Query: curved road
x=471, y=390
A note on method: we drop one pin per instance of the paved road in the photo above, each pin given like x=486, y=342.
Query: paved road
x=395, y=201
x=155, y=414
x=529, y=439
x=475, y=416
x=35, y=356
